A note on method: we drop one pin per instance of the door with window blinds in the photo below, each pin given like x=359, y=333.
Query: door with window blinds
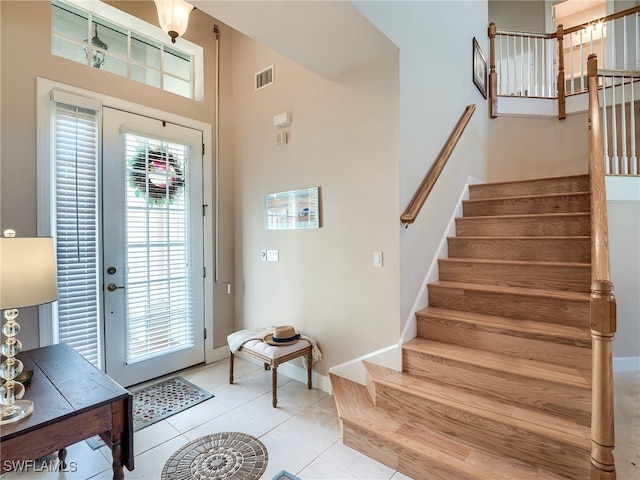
x=153, y=271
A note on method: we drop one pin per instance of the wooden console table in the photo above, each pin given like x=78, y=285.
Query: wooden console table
x=72, y=401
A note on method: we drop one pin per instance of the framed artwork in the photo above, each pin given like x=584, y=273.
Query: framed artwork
x=479, y=68
x=294, y=209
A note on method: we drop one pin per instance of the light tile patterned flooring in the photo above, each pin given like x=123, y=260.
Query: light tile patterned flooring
x=302, y=435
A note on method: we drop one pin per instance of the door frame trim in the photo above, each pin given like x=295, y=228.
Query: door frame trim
x=43, y=155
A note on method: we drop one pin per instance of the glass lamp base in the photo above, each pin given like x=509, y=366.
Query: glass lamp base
x=16, y=411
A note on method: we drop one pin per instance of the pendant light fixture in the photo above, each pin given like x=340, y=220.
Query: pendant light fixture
x=173, y=16
x=98, y=49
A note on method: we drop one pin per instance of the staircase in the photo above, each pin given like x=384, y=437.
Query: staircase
x=496, y=385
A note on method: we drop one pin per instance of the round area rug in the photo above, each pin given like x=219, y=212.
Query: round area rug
x=223, y=455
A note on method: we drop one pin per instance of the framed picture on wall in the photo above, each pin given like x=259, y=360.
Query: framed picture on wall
x=479, y=68
x=293, y=209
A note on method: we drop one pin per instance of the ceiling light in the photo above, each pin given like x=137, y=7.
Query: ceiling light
x=173, y=16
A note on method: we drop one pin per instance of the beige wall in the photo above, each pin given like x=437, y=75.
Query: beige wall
x=343, y=138
x=519, y=15
x=25, y=54
x=522, y=147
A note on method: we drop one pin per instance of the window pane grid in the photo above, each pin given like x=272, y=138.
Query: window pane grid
x=128, y=54
x=159, y=305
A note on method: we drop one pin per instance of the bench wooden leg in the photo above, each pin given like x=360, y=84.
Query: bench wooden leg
x=274, y=387
x=230, y=367
x=309, y=362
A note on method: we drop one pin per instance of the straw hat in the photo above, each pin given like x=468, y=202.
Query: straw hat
x=282, y=335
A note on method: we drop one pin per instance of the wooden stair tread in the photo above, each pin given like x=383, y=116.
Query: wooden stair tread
x=490, y=261
x=480, y=405
x=532, y=292
x=546, y=263
x=502, y=363
x=446, y=449
x=541, y=216
x=518, y=197
x=532, y=327
x=521, y=237
x=581, y=176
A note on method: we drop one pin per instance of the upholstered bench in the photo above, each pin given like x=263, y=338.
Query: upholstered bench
x=272, y=356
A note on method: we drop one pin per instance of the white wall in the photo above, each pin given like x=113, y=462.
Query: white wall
x=435, y=41
x=343, y=138
x=623, y=208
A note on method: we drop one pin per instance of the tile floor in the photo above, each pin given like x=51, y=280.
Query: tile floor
x=302, y=435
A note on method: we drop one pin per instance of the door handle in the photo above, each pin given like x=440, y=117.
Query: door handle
x=112, y=287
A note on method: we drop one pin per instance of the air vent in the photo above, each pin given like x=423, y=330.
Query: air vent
x=264, y=78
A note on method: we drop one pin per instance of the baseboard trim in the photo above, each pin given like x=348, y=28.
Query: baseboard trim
x=354, y=370
x=217, y=354
x=626, y=364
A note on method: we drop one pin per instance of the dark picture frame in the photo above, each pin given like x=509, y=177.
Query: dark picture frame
x=479, y=68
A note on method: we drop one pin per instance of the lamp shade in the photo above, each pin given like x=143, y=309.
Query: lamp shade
x=173, y=16
x=27, y=272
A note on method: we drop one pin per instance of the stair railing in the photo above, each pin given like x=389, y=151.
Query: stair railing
x=619, y=121
x=552, y=65
x=411, y=213
x=603, y=302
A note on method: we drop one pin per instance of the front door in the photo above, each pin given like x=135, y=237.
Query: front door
x=153, y=263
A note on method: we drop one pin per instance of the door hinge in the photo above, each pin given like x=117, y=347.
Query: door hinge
x=204, y=272
x=204, y=208
x=203, y=148
x=205, y=333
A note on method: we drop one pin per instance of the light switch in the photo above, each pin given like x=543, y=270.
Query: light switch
x=377, y=259
x=272, y=255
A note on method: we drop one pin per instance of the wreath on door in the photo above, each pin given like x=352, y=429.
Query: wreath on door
x=155, y=175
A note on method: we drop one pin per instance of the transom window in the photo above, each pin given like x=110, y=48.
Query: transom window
x=99, y=41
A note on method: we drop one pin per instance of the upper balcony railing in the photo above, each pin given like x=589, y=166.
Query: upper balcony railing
x=552, y=65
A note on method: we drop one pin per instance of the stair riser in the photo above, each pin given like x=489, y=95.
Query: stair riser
x=527, y=205
x=553, y=277
x=501, y=341
x=488, y=433
x=553, y=250
x=542, y=309
x=523, y=226
x=397, y=456
x=562, y=400
x=531, y=187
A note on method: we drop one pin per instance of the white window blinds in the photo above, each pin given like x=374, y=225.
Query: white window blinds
x=159, y=297
x=76, y=227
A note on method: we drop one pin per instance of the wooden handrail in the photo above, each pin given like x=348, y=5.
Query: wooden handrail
x=411, y=213
x=603, y=303
x=608, y=18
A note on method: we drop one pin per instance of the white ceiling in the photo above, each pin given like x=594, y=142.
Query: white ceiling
x=326, y=37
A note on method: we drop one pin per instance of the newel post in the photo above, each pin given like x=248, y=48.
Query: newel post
x=493, y=77
x=603, y=328
x=562, y=109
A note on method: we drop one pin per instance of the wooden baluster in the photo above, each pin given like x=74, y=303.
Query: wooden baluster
x=493, y=79
x=603, y=305
x=562, y=109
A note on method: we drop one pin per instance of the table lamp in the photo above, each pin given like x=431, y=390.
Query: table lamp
x=27, y=277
